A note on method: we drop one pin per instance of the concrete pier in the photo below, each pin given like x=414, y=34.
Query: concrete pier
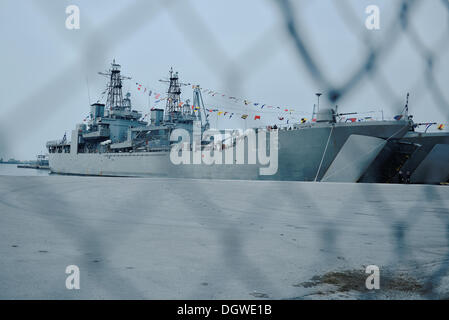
x=199, y=239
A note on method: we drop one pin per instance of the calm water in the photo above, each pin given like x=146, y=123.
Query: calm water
x=12, y=170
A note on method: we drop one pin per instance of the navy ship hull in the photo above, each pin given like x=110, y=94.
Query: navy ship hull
x=305, y=154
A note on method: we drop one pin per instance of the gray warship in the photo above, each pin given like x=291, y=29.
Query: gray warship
x=117, y=142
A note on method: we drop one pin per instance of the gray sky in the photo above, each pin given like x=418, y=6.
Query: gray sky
x=240, y=48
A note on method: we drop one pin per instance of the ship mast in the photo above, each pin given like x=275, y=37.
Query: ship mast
x=198, y=103
x=173, y=105
x=115, y=96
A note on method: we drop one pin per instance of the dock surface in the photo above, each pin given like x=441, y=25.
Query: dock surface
x=199, y=239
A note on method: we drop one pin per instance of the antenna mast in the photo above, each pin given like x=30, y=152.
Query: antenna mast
x=316, y=107
x=198, y=102
x=318, y=96
x=115, y=96
x=406, y=105
x=173, y=105
x=88, y=90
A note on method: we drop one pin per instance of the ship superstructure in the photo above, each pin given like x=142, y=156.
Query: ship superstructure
x=109, y=126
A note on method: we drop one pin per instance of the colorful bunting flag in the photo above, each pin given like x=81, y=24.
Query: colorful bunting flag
x=159, y=97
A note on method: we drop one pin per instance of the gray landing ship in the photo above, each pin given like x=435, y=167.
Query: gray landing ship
x=116, y=142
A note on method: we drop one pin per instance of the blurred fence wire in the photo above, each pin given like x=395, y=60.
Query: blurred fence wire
x=236, y=71
x=376, y=54
x=402, y=27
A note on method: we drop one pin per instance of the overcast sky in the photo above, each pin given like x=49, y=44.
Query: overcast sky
x=241, y=48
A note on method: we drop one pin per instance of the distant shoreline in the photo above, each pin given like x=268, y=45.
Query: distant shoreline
x=17, y=162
